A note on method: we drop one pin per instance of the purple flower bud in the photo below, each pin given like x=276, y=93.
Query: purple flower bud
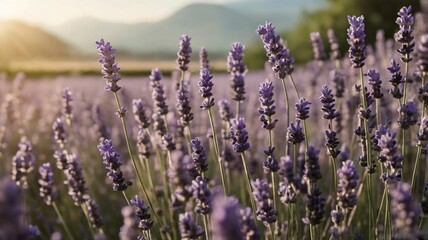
x=302, y=108
x=22, y=163
x=142, y=212
x=112, y=163
x=188, y=226
x=404, y=36
x=267, y=105
x=184, y=107
x=312, y=166
x=239, y=135
x=203, y=59
x=94, y=215
x=75, y=180
x=314, y=207
x=183, y=54
x=389, y=154
x=318, y=46
x=265, y=211
x=46, y=182
x=328, y=106
x=422, y=135
x=59, y=132
x=67, y=108
x=334, y=45
x=202, y=195
x=347, y=185
x=295, y=133
x=422, y=53
x=110, y=69
x=129, y=229
x=225, y=112
x=206, y=87
x=155, y=77
x=248, y=225
x=234, y=59
x=405, y=211
x=159, y=99
x=226, y=218
x=339, y=82
x=375, y=82
x=423, y=94
x=139, y=110
x=357, y=45
x=159, y=124
x=408, y=115
x=198, y=156
x=61, y=159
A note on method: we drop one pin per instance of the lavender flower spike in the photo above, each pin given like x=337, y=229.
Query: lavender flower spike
x=295, y=133
x=202, y=195
x=302, y=108
x=46, y=182
x=239, y=135
x=110, y=69
x=206, y=87
x=67, y=108
x=405, y=21
x=94, y=214
x=140, y=115
x=357, y=45
x=188, y=226
x=198, y=156
x=265, y=211
x=408, y=115
x=422, y=53
x=204, y=62
x=183, y=54
x=129, y=229
x=318, y=46
x=405, y=211
x=375, y=82
x=226, y=218
x=347, y=185
x=314, y=207
x=22, y=162
x=112, y=163
x=267, y=105
x=248, y=225
x=142, y=212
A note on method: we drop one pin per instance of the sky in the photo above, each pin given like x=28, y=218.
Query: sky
x=56, y=12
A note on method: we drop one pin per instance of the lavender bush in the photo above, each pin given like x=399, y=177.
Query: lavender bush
x=347, y=162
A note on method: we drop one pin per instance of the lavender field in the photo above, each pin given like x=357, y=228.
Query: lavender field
x=333, y=149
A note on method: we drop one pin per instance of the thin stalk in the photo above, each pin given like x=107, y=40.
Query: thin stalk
x=272, y=231
x=406, y=77
x=126, y=198
x=248, y=180
x=378, y=117
x=238, y=107
x=333, y=163
x=91, y=229
x=287, y=102
x=294, y=85
x=312, y=231
x=369, y=153
x=217, y=151
x=274, y=187
x=58, y=213
x=382, y=202
x=415, y=169
x=128, y=144
x=360, y=190
x=387, y=223
x=207, y=232
x=421, y=223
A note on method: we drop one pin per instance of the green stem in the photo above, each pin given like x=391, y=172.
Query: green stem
x=369, y=153
x=128, y=144
x=287, y=103
x=207, y=231
x=238, y=107
x=58, y=213
x=126, y=198
x=406, y=75
x=415, y=169
x=91, y=229
x=217, y=151
x=249, y=187
x=294, y=85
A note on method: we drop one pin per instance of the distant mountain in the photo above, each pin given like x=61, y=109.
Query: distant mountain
x=213, y=26
x=283, y=13
x=20, y=40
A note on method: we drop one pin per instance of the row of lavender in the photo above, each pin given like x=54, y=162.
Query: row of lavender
x=189, y=187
